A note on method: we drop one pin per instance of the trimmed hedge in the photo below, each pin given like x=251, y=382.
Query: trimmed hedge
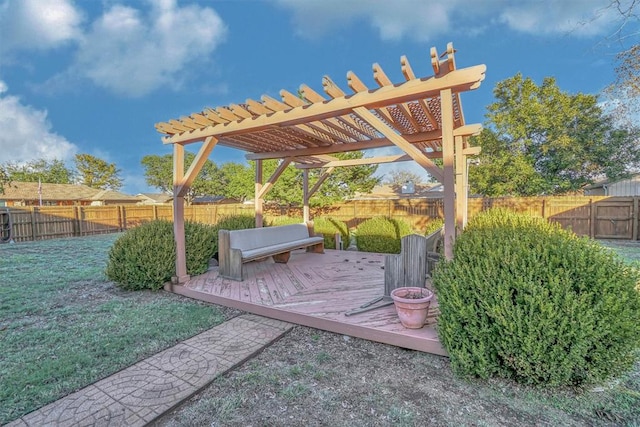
x=328, y=227
x=381, y=235
x=433, y=225
x=526, y=300
x=145, y=256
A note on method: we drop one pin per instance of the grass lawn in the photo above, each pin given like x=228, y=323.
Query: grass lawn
x=64, y=326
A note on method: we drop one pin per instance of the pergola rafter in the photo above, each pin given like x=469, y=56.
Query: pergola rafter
x=420, y=115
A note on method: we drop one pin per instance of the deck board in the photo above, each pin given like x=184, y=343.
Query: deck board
x=316, y=290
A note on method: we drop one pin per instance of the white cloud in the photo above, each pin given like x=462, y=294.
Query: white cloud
x=133, y=53
x=393, y=19
x=424, y=19
x=38, y=24
x=579, y=18
x=27, y=133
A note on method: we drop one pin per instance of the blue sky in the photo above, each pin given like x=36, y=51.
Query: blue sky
x=94, y=76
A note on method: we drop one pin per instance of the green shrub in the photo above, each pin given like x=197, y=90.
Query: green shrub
x=284, y=220
x=433, y=225
x=329, y=227
x=236, y=222
x=145, y=256
x=524, y=299
x=381, y=235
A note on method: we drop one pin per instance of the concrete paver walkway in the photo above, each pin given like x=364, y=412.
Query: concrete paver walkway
x=145, y=391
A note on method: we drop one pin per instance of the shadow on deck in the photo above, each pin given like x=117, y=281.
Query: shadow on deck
x=316, y=290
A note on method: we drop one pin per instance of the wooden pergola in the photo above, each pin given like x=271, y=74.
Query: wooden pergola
x=420, y=115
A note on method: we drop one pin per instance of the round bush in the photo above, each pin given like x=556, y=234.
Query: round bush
x=284, y=220
x=381, y=235
x=329, y=227
x=524, y=299
x=145, y=256
x=434, y=224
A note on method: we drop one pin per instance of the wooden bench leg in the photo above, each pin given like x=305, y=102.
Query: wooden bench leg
x=282, y=258
x=318, y=249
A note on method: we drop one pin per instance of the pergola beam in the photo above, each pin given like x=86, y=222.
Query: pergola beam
x=320, y=181
x=274, y=177
x=415, y=138
x=194, y=169
x=365, y=161
x=401, y=142
x=456, y=81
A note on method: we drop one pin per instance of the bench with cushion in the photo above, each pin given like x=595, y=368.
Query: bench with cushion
x=236, y=247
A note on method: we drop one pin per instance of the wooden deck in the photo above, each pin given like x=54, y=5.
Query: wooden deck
x=316, y=290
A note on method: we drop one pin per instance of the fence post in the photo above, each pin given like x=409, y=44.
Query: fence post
x=77, y=226
x=34, y=234
x=592, y=219
x=119, y=217
x=155, y=212
x=123, y=216
x=544, y=203
x=634, y=216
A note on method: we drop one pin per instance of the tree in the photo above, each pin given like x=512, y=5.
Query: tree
x=159, y=174
x=238, y=179
x=398, y=178
x=51, y=171
x=97, y=173
x=342, y=183
x=541, y=140
x=4, y=179
x=624, y=93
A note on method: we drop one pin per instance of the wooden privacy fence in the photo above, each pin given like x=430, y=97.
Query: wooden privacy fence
x=598, y=217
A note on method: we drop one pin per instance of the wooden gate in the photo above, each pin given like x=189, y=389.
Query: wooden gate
x=613, y=218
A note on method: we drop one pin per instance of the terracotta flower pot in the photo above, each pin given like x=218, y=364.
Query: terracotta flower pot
x=412, y=305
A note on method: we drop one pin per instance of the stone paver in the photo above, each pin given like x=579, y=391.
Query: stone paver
x=145, y=391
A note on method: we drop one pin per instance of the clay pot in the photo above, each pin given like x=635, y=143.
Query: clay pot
x=412, y=305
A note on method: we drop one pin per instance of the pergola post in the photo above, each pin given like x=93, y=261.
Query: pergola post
x=460, y=184
x=448, y=181
x=305, y=195
x=178, y=215
x=258, y=198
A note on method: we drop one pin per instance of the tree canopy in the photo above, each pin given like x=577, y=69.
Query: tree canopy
x=4, y=178
x=43, y=170
x=159, y=174
x=624, y=93
x=237, y=181
x=400, y=177
x=97, y=173
x=540, y=140
x=344, y=182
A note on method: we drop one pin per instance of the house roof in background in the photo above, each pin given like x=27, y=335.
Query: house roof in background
x=156, y=197
x=74, y=192
x=395, y=192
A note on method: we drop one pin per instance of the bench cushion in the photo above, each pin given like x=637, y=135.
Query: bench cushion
x=264, y=251
x=255, y=238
